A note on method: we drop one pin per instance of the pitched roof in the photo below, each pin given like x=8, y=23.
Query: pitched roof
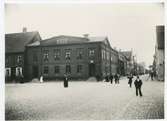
x=16, y=42
x=63, y=39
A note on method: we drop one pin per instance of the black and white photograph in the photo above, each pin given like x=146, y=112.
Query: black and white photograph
x=84, y=61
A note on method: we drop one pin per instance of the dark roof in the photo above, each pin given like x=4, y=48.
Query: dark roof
x=63, y=39
x=127, y=54
x=16, y=42
x=160, y=37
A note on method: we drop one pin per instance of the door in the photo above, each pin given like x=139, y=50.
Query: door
x=35, y=71
x=91, y=69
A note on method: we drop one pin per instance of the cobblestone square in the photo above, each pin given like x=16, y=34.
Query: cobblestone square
x=84, y=100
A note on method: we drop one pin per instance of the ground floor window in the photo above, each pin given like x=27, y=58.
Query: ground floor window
x=46, y=70
x=79, y=68
x=57, y=69
x=19, y=71
x=68, y=69
x=8, y=72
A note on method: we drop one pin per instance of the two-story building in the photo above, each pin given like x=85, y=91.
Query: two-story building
x=80, y=57
x=14, y=53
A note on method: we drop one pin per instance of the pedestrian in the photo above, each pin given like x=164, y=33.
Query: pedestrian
x=65, y=81
x=106, y=78
x=97, y=78
x=116, y=78
x=130, y=80
x=41, y=79
x=138, y=83
x=111, y=78
x=152, y=75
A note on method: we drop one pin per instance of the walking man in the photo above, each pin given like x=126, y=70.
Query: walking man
x=116, y=78
x=130, y=80
x=138, y=83
x=65, y=81
x=111, y=78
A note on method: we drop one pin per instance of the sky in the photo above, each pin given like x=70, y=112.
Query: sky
x=128, y=26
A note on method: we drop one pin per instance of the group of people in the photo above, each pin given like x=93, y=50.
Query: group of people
x=138, y=83
x=111, y=78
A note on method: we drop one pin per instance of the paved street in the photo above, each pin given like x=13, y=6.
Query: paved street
x=84, y=100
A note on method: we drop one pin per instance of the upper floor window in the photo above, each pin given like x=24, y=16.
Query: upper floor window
x=79, y=53
x=7, y=60
x=107, y=55
x=19, y=59
x=91, y=52
x=57, y=54
x=68, y=54
x=46, y=56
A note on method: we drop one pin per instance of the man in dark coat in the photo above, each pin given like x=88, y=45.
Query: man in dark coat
x=130, y=80
x=65, y=81
x=138, y=83
x=111, y=78
x=116, y=78
x=107, y=78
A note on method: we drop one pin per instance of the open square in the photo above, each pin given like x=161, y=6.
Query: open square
x=84, y=100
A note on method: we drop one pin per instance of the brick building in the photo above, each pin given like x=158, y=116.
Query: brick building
x=80, y=57
x=26, y=54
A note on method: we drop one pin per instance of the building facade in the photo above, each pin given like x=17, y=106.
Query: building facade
x=78, y=57
x=14, y=53
x=159, y=57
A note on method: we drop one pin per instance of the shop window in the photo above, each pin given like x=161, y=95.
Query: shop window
x=57, y=69
x=46, y=69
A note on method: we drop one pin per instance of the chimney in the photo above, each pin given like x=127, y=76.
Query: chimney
x=24, y=29
x=86, y=35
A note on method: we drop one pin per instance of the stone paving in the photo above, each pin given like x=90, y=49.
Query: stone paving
x=84, y=101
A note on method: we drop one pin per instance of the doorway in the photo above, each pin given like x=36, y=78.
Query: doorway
x=91, y=69
x=35, y=71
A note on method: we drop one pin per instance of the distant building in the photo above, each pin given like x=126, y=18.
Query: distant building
x=15, y=52
x=80, y=57
x=159, y=57
x=130, y=61
x=122, y=64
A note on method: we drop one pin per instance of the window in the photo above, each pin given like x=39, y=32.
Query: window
x=57, y=69
x=68, y=54
x=68, y=69
x=79, y=53
x=19, y=59
x=35, y=57
x=46, y=69
x=46, y=56
x=91, y=52
x=7, y=60
x=19, y=71
x=79, y=68
x=107, y=55
x=8, y=72
x=57, y=54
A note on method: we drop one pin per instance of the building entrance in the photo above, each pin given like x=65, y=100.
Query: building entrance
x=91, y=69
x=35, y=71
